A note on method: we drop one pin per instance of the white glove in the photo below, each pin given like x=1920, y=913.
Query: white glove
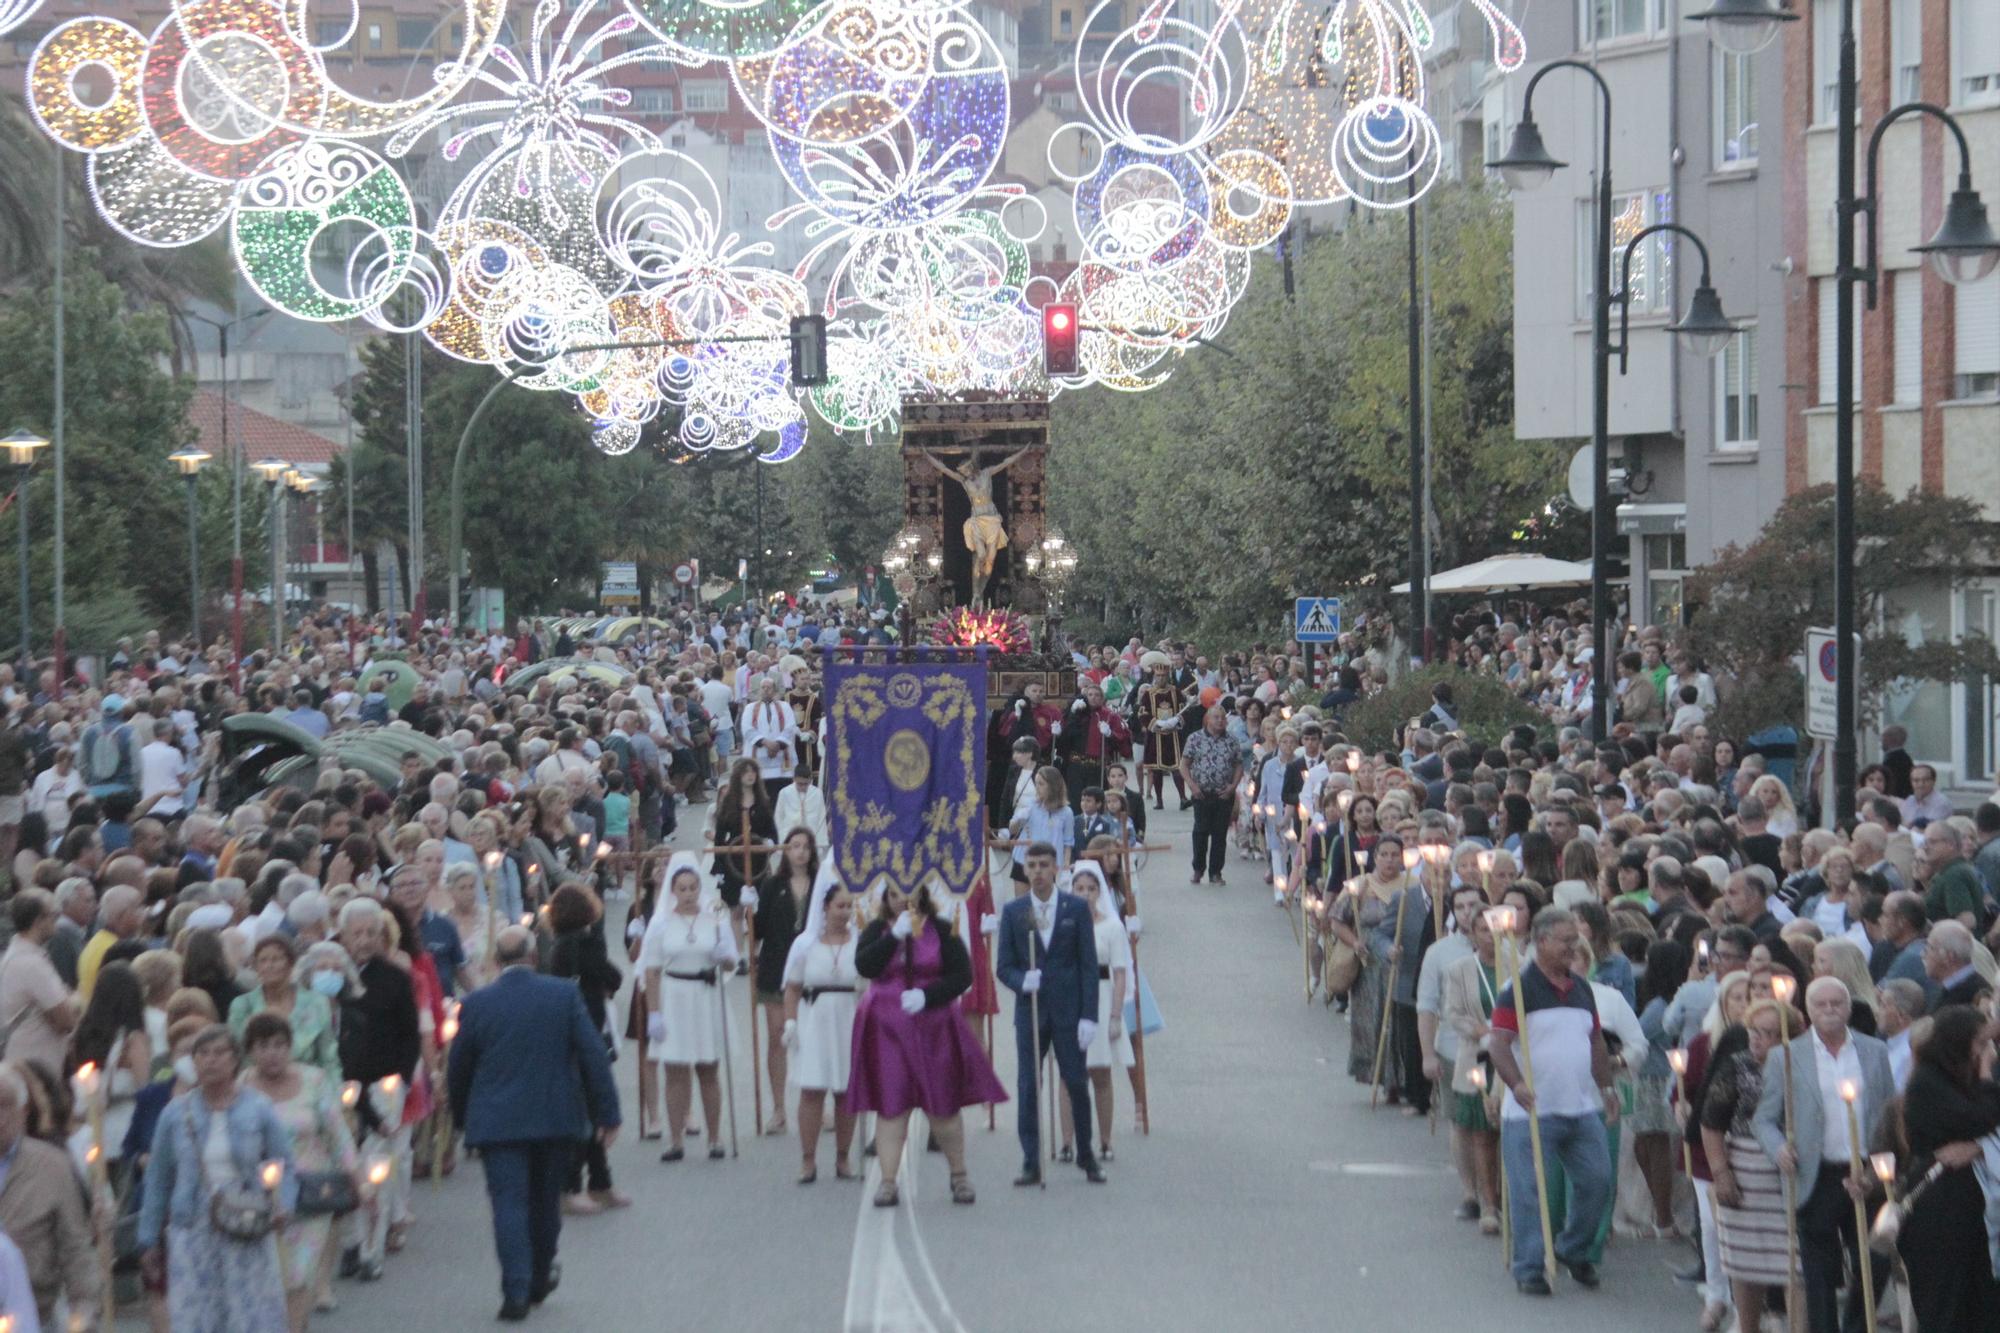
x=791, y=1034
x=901, y=930
x=989, y=924
x=1020, y=706
x=1172, y=724
x=1104, y=728
x=1031, y=981
x=1086, y=1029
x=913, y=1001
x=1132, y=926
x=656, y=1028
x=749, y=899
x=1055, y=728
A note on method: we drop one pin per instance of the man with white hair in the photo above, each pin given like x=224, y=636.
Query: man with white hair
x=41, y=1209
x=76, y=909
x=202, y=837
x=1826, y=1063
x=1899, y=1003
x=1948, y=962
x=306, y=918
x=436, y=819
x=378, y=1037
x=120, y=913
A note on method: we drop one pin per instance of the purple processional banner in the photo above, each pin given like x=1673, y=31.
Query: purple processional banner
x=905, y=765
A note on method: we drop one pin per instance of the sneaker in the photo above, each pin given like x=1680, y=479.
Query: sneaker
x=1489, y=1224
x=1537, y=1285
x=1585, y=1274
x=1467, y=1211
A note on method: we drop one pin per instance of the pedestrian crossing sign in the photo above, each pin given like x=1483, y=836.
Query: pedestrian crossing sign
x=1317, y=620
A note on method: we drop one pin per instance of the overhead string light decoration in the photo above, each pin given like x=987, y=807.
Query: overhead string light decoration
x=1198, y=132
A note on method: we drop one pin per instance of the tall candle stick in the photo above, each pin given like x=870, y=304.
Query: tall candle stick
x=1858, y=1173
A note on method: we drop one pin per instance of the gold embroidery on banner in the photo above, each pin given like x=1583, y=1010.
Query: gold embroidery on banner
x=952, y=846
x=907, y=760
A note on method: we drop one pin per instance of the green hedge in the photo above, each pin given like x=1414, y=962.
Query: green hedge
x=1486, y=710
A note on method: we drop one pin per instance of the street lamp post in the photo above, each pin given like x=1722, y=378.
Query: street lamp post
x=1704, y=329
x=273, y=470
x=190, y=461
x=21, y=450
x=1963, y=250
x=235, y=463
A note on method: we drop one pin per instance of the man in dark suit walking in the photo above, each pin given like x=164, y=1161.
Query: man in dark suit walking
x=528, y=1080
x=1048, y=958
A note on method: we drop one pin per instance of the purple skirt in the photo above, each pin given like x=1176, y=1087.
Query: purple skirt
x=929, y=1060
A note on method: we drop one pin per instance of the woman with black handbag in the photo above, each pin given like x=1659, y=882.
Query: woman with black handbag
x=307, y=1101
x=207, y=1201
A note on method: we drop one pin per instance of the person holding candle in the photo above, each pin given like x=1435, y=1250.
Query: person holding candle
x=1748, y=1198
x=579, y=953
x=380, y=1039
x=41, y=1207
x=217, y=1136
x=1364, y=918
x=1951, y=1103
x=307, y=1100
x=308, y=1013
x=1469, y=986
x=1821, y=1156
x=684, y=946
x=778, y=905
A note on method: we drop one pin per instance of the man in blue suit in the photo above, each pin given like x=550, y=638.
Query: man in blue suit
x=528, y=1080
x=1048, y=958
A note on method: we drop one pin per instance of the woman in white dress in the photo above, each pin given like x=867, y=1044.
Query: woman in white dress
x=685, y=954
x=1111, y=1045
x=820, y=996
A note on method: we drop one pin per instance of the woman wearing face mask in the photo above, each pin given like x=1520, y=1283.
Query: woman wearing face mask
x=307, y=1100
x=309, y=1012
x=820, y=999
x=912, y=1047
x=685, y=945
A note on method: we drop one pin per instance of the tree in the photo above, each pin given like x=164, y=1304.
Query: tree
x=1751, y=607
x=124, y=512
x=1278, y=464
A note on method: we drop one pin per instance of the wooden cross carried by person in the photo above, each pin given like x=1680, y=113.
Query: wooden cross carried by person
x=743, y=851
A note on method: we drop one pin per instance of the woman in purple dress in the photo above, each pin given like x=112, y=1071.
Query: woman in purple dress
x=912, y=1048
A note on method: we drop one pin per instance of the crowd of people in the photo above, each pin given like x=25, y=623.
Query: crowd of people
x=237, y=1027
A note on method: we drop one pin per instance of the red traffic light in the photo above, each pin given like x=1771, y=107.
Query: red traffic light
x=1059, y=330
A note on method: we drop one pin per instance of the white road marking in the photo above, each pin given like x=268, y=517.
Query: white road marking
x=882, y=1296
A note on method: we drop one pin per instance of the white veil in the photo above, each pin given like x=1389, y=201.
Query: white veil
x=1100, y=889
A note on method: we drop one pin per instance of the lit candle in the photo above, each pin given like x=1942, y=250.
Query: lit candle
x=1885, y=1170
x=350, y=1095
x=272, y=1173
x=1677, y=1060
x=1412, y=856
x=1783, y=987
x=1354, y=761
x=492, y=860
x=1476, y=1076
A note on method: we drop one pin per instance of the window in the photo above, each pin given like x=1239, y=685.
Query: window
x=1826, y=57
x=457, y=36
x=1906, y=50
x=1976, y=315
x=1735, y=78
x=1736, y=392
x=708, y=95
x=374, y=37
x=1618, y=20
x=1066, y=23
x=1907, y=333
x=330, y=33
x=653, y=101
x=1063, y=101
x=1652, y=267
x=413, y=34
x=1828, y=319
x=1975, y=53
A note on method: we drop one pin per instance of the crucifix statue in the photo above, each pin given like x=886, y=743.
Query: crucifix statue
x=985, y=531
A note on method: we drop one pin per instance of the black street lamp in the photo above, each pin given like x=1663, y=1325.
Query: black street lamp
x=190, y=461
x=1964, y=250
x=1528, y=165
x=21, y=450
x=273, y=470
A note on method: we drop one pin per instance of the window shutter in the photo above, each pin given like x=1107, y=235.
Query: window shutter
x=1908, y=334
x=1977, y=320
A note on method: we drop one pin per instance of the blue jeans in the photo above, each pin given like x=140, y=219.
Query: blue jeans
x=1578, y=1143
x=524, y=1184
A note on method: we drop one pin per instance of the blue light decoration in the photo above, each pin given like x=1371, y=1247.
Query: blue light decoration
x=1199, y=130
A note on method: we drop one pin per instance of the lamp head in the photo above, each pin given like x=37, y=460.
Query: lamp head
x=1527, y=164
x=270, y=469
x=189, y=460
x=22, y=446
x=1704, y=329
x=1965, y=248
x=1742, y=27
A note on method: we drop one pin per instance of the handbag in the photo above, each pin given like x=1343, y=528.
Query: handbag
x=238, y=1211
x=1343, y=963
x=326, y=1194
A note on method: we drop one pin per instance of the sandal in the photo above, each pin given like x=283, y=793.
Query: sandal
x=885, y=1195
x=399, y=1233
x=673, y=1154
x=716, y=1152
x=1068, y=1154
x=961, y=1188
x=809, y=1175
x=842, y=1173
x=774, y=1128
x=1104, y=1153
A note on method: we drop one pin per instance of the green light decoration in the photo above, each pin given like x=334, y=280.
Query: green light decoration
x=307, y=190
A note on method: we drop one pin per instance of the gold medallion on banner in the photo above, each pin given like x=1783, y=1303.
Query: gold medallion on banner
x=907, y=760
x=905, y=690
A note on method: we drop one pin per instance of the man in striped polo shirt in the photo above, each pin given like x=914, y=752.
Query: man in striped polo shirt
x=1572, y=1097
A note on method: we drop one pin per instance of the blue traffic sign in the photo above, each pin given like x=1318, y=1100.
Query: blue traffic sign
x=1317, y=620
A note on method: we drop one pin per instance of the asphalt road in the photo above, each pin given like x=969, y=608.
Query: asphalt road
x=1267, y=1196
